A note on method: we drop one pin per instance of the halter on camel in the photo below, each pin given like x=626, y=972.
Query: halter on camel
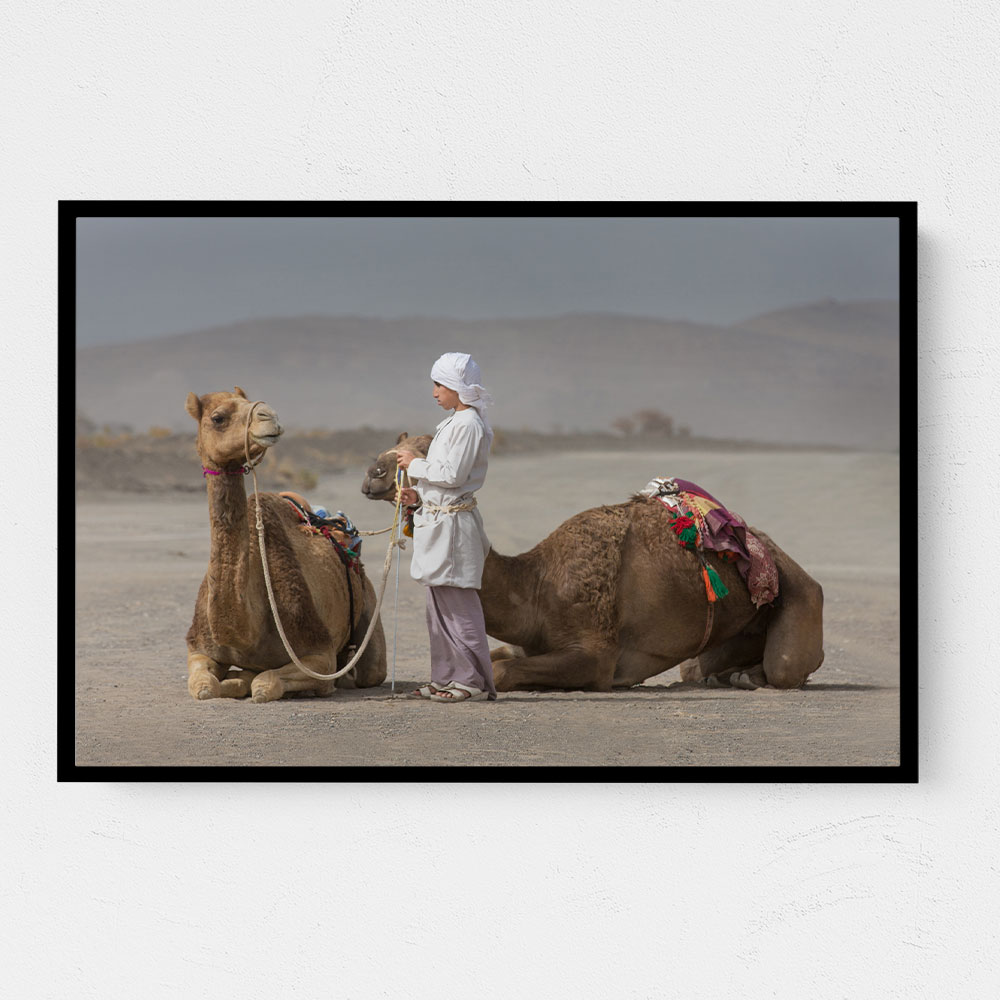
x=394, y=541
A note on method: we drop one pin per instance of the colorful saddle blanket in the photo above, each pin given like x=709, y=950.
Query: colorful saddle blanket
x=719, y=530
x=338, y=529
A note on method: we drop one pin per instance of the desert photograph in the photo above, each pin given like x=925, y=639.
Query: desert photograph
x=756, y=358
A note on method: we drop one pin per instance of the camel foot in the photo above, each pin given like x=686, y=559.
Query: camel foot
x=204, y=686
x=749, y=680
x=236, y=684
x=745, y=680
x=264, y=688
x=690, y=671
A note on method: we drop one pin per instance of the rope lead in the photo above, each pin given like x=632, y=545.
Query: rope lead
x=395, y=607
x=393, y=542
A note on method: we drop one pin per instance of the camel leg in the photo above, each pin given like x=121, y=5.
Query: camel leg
x=506, y=653
x=634, y=667
x=236, y=683
x=205, y=676
x=270, y=685
x=563, y=669
x=783, y=657
x=794, y=646
x=690, y=671
x=371, y=670
x=747, y=678
x=737, y=662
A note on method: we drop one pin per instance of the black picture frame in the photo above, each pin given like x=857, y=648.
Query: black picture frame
x=906, y=771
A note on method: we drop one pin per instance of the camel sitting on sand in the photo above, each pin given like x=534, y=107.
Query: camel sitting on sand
x=314, y=590
x=610, y=598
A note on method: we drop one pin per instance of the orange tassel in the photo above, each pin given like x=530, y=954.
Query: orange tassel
x=708, y=586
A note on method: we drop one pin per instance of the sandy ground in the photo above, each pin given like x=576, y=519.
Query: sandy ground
x=140, y=559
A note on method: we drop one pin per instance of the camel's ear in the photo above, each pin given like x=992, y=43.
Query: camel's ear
x=193, y=406
x=402, y=437
x=237, y=391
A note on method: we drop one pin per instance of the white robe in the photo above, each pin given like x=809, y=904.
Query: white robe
x=449, y=549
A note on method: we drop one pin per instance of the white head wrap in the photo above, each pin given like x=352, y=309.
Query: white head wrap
x=460, y=373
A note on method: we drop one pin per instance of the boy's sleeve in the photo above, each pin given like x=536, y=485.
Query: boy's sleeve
x=452, y=467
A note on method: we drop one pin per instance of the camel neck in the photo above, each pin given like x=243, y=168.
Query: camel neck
x=227, y=511
x=234, y=581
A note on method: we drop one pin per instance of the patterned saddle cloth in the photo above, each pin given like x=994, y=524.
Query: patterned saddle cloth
x=713, y=527
x=337, y=528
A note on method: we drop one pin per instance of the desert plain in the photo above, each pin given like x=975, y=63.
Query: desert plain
x=141, y=556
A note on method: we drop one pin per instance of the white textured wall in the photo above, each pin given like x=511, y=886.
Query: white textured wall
x=589, y=891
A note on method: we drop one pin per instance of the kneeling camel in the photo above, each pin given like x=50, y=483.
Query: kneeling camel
x=609, y=599
x=315, y=592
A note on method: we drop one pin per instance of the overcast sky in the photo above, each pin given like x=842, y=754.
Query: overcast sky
x=145, y=277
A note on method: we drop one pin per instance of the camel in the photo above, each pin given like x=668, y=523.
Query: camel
x=234, y=648
x=610, y=598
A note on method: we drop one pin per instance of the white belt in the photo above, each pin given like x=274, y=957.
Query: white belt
x=454, y=508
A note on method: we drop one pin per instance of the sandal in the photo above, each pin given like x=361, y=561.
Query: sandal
x=458, y=692
x=425, y=690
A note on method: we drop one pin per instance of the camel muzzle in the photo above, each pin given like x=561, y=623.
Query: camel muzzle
x=380, y=494
x=265, y=429
x=265, y=440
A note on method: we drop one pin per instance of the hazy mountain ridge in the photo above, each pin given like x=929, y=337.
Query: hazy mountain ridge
x=873, y=329
x=825, y=373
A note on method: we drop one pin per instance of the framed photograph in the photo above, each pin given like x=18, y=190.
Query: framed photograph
x=525, y=491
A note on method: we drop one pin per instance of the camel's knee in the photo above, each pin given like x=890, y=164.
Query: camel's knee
x=786, y=670
x=794, y=647
x=204, y=677
x=202, y=685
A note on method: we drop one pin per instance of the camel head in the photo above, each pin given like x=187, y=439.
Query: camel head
x=380, y=479
x=222, y=427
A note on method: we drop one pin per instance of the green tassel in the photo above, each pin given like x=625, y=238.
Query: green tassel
x=717, y=585
x=689, y=536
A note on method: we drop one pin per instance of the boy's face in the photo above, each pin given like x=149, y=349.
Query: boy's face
x=446, y=398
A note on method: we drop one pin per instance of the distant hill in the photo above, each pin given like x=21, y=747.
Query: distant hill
x=870, y=329
x=824, y=373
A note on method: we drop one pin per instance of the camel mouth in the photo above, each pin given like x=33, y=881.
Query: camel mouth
x=265, y=440
x=374, y=494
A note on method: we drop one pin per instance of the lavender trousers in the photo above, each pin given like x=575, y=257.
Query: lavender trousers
x=457, y=629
